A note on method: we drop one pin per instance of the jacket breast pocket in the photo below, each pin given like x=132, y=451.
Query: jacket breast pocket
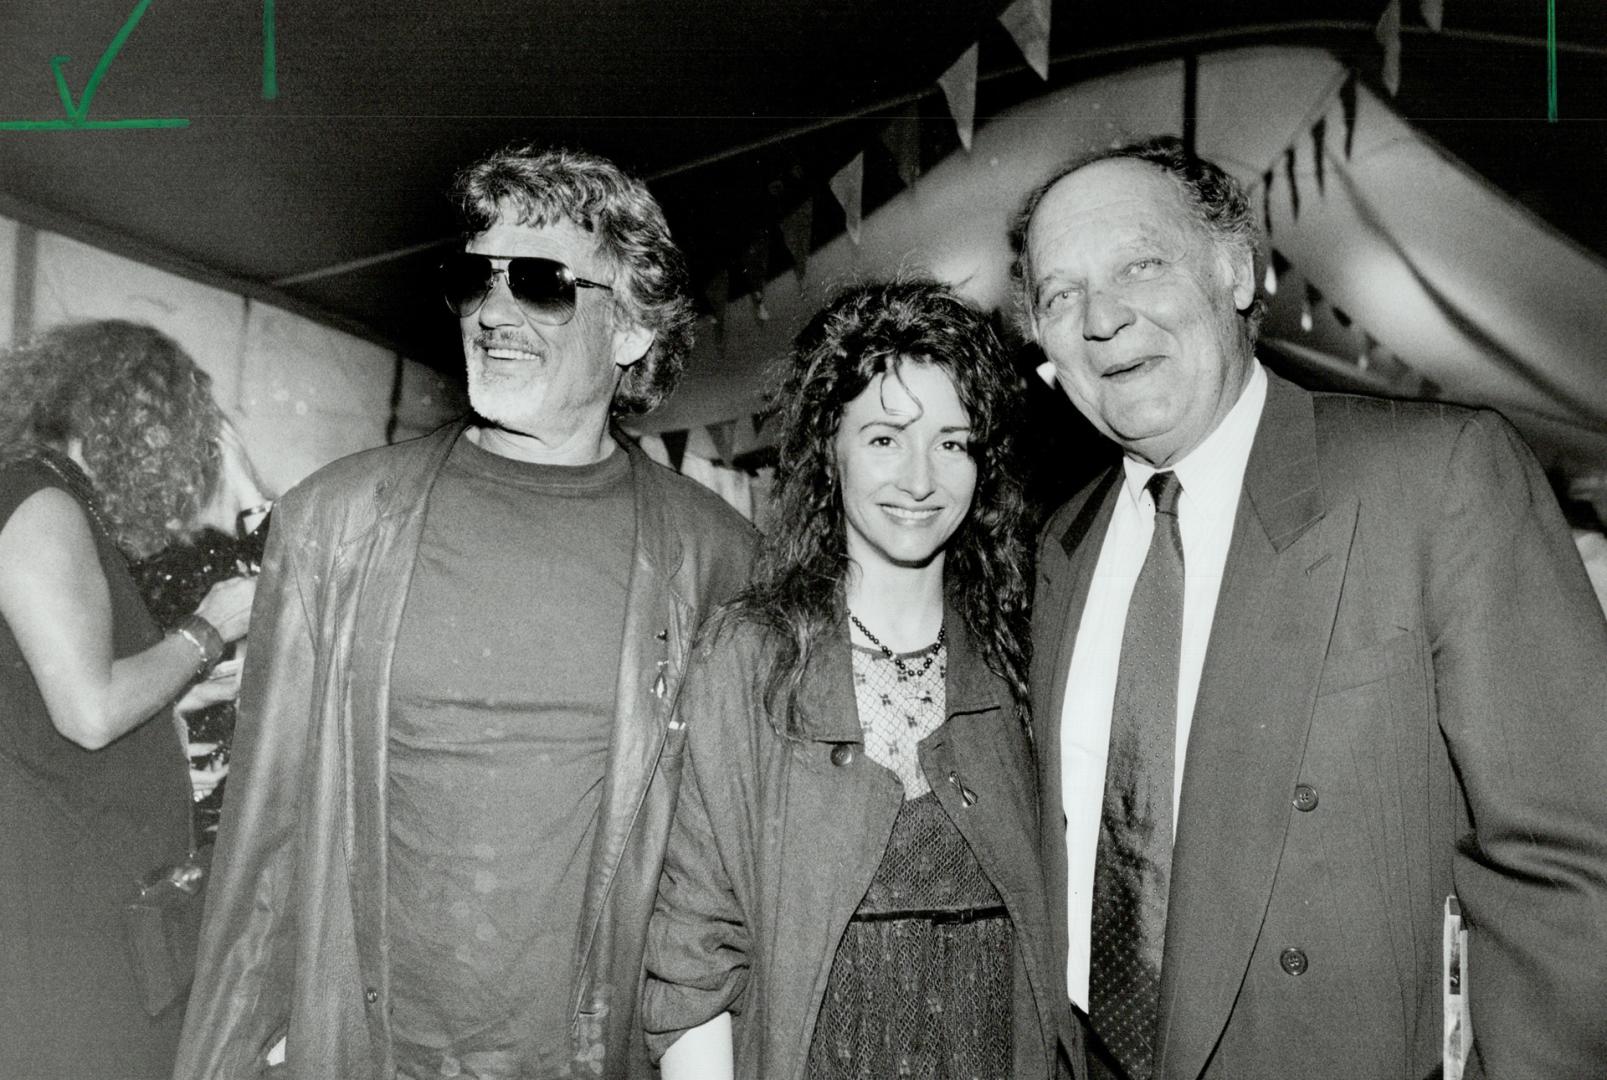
x=1346, y=670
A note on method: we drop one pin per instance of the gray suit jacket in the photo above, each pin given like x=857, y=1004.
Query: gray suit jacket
x=1404, y=696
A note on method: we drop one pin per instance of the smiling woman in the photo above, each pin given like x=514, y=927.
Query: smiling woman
x=866, y=694
x=906, y=470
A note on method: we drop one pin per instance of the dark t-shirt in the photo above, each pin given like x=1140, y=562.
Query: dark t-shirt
x=502, y=704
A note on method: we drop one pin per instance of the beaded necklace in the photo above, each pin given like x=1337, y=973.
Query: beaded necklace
x=931, y=650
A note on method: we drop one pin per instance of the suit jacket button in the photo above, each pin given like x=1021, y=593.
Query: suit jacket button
x=1305, y=799
x=371, y=995
x=1293, y=961
x=842, y=754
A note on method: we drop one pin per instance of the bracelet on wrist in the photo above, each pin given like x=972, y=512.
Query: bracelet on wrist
x=206, y=639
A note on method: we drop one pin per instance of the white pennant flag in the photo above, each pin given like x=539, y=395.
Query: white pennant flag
x=849, y=185
x=1028, y=23
x=1388, y=33
x=959, y=86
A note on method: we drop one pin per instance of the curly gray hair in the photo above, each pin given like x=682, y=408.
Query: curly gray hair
x=595, y=195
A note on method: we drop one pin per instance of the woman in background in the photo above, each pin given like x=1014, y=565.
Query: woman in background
x=107, y=444
x=852, y=874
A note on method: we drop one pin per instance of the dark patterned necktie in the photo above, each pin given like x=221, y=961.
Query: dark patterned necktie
x=1132, y=866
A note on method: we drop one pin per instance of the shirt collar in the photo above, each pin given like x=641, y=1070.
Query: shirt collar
x=1213, y=472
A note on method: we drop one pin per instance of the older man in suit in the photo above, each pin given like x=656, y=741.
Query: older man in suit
x=1306, y=666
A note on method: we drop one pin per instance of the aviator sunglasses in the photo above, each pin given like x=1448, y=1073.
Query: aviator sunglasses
x=544, y=288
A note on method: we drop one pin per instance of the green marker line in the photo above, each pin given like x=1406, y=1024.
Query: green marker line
x=77, y=118
x=61, y=84
x=1551, y=60
x=270, y=53
x=75, y=124
x=106, y=58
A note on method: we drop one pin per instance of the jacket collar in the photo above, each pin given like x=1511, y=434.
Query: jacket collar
x=1098, y=502
x=1282, y=481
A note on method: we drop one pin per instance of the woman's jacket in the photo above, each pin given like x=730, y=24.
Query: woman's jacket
x=776, y=839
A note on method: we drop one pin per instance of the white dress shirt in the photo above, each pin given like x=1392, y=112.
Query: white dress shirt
x=1212, y=476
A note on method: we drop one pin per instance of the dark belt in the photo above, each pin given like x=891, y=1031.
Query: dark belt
x=935, y=916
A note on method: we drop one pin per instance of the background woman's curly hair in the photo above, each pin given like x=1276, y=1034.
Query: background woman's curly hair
x=865, y=331
x=142, y=408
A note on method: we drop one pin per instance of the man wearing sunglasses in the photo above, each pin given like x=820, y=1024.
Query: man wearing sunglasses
x=454, y=770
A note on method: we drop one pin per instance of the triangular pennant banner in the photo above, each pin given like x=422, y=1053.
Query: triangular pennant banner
x=718, y=293
x=959, y=87
x=1294, y=187
x=1319, y=148
x=1028, y=23
x=1347, y=103
x=675, y=446
x=1277, y=266
x=902, y=137
x=698, y=445
x=1433, y=13
x=1388, y=364
x=1364, y=360
x=756, y=272
x=795, y=232
x=1277, y=269
x=849, y=185
x=1313, y=298
x=1266, y=200
x=1388, y=33
x=723, y=436
x=756, y=261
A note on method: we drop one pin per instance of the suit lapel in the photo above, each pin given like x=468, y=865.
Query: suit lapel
x=1066, y=569
x=1274, y=614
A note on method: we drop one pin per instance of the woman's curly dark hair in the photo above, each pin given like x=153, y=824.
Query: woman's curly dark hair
x=862, y=332
x=142, y=409
x=545, y=186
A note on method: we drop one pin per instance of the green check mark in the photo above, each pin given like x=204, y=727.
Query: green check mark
x=78, y=112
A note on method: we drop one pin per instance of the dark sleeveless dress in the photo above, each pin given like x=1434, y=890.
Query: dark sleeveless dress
x=77, y=829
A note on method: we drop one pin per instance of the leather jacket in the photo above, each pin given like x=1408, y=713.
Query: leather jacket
x=294, y=943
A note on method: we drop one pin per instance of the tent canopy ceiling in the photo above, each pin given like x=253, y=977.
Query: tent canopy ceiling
x=327, y=197
x=1392, y=248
